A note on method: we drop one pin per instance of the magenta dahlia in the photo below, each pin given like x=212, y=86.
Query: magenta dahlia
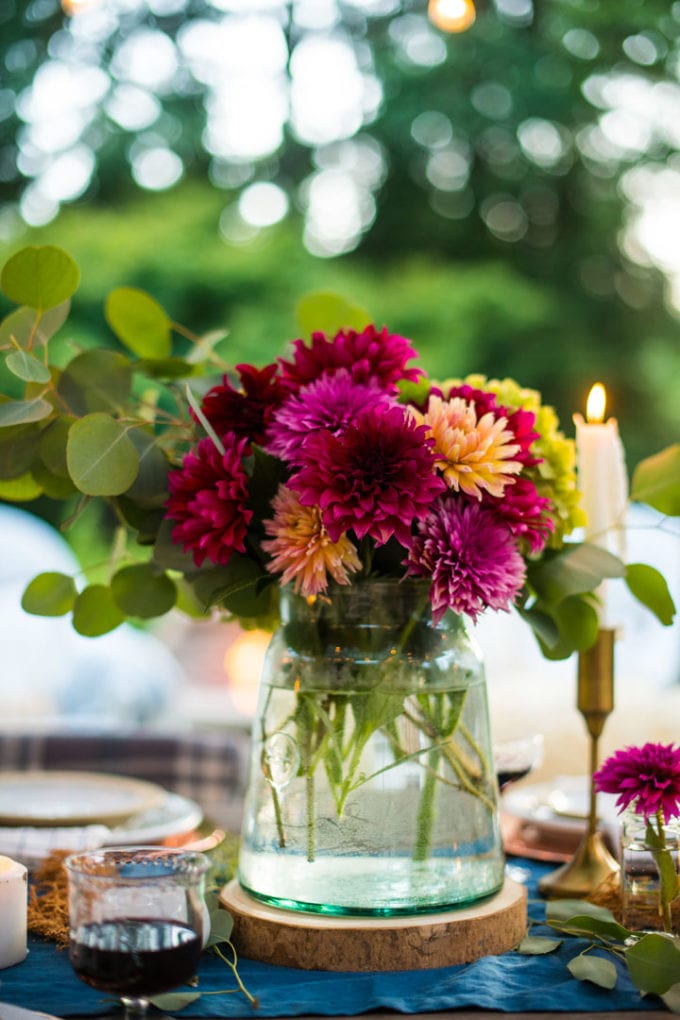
x=471, y=557
x=373, y=356
x=246, y=412
x=208, y=501
x=376, y=479
x=526, y=514
x=647, y=777
x=331, y=402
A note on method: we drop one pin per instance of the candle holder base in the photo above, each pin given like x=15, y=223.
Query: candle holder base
x=589, y=867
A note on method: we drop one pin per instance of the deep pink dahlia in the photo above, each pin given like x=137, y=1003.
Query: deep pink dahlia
x=525, y=512
x=331, y=402
x=376, y=479
x=208, y=501
x=647, y=777
x=471, y=557
x=370, y=356
x=245, y=412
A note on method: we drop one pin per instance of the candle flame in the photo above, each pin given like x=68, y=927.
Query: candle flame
x=597, y=402
x=73, y=7
x=452, y=15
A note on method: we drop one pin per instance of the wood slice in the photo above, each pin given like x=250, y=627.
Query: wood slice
x=319, y=942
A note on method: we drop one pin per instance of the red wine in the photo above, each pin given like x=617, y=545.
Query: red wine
x=509, y=775
x=137, y=956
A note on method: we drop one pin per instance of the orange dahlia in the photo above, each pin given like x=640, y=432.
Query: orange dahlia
x=474, y=454
x=301, y=548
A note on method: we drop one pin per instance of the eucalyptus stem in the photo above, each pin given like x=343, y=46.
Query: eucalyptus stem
x=425, y=818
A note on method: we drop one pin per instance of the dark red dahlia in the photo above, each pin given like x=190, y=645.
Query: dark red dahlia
x=245, y=412
x=526, y=514
x=208, y=501
x=376, y=479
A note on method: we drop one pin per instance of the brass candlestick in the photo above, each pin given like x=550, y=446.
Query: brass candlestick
x=592, y=862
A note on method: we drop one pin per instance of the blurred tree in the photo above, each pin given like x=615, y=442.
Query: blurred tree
x=493, y=186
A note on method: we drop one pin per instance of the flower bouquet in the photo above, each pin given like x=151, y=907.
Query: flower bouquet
x=338, y=466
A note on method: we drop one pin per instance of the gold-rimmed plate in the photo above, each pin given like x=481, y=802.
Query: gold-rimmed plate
x=51, y=798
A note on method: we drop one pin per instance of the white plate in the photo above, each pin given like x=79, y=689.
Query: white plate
x=49, y=798
x=560, y=804
x=173, y=817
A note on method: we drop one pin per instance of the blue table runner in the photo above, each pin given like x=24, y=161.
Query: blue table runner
x=510, y=982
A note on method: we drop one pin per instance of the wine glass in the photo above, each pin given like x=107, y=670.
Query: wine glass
x=136, y=920
x=514, y=759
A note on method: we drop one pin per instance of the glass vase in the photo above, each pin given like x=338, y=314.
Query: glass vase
x=372, y=789
x=650, y=865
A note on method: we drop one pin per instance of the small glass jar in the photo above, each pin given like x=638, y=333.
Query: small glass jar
x=643, y=861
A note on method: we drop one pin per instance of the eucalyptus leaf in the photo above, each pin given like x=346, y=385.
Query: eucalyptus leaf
x=53, y=485
x=656, y=481
x=327, y=312
x=49, y=594
x=166, y=368
x=582, y=924
x=169, y=554
x=579, y=568
x=27, y=367
x=53, y=440
x=102, y=460
x=140, y=590
x=139, y=321
x=150, y=487
x=538, y=945
x=20, y=490
x=174, y=1001
x=577, y=622
x=40, y=277
x=96, y=380
x=18, y=412
x=565, y=909
x=29, y=328
x=95, y=611
x=221, y=927
x=18, y=449
x=654, y=963
x=650, y=587
x=594, y=969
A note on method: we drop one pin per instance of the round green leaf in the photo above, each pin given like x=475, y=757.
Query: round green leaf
x=18, y=412
x=27, y=367
x=329, y=313
x=139, y=322
x=53, y=445
x=40, y=277
x=150, y=487
x=49, y=594
x=95, y=611
x=594, y=969
x=654, y=963
x=102, y=461
x=21, y=489
x=53, y=485
x=656, y=481
x=96, y=380
x=18, y=448
x=139, y=590
x=650, y=588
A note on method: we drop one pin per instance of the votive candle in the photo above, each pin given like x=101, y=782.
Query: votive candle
x=13, y=912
